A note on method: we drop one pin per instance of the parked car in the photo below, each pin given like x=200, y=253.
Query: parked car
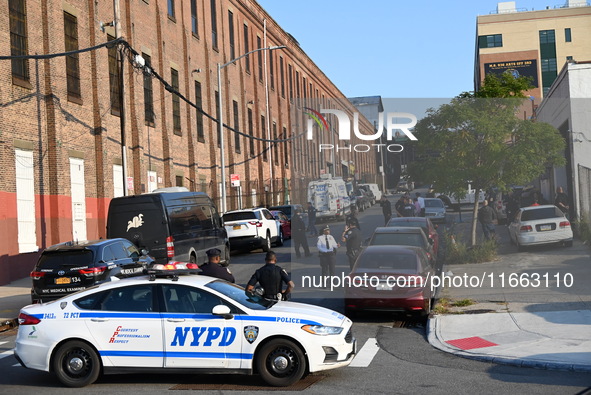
x=189, y=323
x=537, y=225
x=398, y=280
x=405, y=236
x=289, y=209
x=172, y=224
x=375, y=190
x=284, y=221
x=435, y=210
x=73, y=266
x=369, y=192
x=250, y=229
x=421, y=222
x=362, y=200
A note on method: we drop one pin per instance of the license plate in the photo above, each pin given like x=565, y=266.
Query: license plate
x=545, y=227
x=236, y=227
x=62, y=280
x=383, y=287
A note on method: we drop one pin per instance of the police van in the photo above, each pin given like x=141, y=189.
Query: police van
x=329, y=196
x=173, y=224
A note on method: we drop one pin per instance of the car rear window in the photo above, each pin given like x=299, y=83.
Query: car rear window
x=239, y=216
x=407, y=239
x=541, y=213
x=65, y=259
x=405, y=262
x=433, y=203
x=411, y=224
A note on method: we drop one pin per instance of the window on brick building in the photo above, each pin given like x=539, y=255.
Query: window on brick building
x=260, y=58
x=171, y=8
x=275, y=145
x=250, y=132
x=114, y=79
x=490, y=41
x=568, y=35
x=176, y=102
x=194, y=20
x=179, y=181
x=18, y=38
x=286, y=149
x=199, y=103
x=214, y=25
x=282, y=77
x=72, y=61
x=148, y=93
x=236, y=126
x=290, y=78
x=271, y=70
x=231, y=33
x=246, y=49
x=264, y=135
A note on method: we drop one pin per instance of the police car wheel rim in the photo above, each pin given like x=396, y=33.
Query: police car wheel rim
x=77, y=363
x=282, y=362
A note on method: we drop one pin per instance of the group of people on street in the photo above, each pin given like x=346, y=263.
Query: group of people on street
x=409, y=207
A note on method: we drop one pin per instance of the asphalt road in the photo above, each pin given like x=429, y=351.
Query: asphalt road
x=404, y=363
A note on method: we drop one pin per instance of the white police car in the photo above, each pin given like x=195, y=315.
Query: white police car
x=192, y=323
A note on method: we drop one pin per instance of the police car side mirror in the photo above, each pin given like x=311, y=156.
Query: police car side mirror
x=223, y=311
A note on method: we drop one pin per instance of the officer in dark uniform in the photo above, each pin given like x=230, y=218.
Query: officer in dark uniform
x=270, y=277
x=213, y=267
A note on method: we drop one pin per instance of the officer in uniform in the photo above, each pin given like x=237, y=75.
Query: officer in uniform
x=327, y=251
x=270, y=277
x=213, y=267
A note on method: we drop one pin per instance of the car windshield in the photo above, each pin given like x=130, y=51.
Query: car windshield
x=387, y=260
x=541, y=213
x=65, y=259
x=406, y=239
x=433, y=203
x=228, y=217
x=238, y=294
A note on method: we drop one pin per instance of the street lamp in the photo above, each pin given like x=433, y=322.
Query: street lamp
x=221, y=117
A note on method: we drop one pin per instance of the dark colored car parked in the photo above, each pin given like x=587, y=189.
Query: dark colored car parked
x=73, y=266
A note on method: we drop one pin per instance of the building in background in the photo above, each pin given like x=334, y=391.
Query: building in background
x=532, y=43
x=73, y=136
x=567, y=107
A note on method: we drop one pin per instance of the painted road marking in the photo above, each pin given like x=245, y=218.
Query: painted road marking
x=6, y=354
x=366, y=354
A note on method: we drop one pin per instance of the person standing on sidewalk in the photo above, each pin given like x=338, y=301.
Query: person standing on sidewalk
x=561, y=201
x=312, y=220
x=487, y=217
x=327, y=251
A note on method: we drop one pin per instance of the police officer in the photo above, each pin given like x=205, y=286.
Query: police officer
x=352, y=239
x=213, y=268
x=327, y=250
x=270, y=277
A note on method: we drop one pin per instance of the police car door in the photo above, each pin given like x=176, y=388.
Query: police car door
x=193, y=336
x=126, y=328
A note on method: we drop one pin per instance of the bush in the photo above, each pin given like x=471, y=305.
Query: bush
x=583, y=230
x=458, y=252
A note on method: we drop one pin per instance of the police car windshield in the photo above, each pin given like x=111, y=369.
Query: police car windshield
x=237, y=294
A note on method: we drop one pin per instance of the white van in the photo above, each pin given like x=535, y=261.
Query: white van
x=470, y=196
x=374, y=189
x=329, y=196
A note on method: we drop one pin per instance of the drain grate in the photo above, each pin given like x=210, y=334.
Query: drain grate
x=247, y=383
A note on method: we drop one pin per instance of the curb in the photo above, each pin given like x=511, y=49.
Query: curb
x=434, y=338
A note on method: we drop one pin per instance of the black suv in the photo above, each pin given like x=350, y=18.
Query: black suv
x=69, y=267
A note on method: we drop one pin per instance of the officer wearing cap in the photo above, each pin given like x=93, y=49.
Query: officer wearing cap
x=327, y=251
x=213, y=268
x=270, y=277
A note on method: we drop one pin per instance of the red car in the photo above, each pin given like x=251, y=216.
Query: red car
x=284, y=221
x=391, y=279
x=419, y=222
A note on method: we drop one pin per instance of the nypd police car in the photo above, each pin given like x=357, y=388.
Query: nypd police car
x=188, y=323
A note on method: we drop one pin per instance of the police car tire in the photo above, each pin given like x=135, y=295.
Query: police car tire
x=76, y=352
x=267, y=243
x=281, y=351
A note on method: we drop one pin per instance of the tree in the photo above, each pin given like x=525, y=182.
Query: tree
x=478, y=138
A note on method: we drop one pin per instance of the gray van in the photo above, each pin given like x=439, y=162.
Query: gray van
x=173, y=224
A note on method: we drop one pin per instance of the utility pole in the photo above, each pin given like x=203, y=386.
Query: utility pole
x=121, y=59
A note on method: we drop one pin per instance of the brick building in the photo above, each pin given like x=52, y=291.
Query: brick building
x=63, y=119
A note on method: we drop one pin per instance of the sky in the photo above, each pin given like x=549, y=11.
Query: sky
x=393, y=49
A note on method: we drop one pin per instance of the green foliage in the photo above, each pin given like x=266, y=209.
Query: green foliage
x=478, y=138
x=457, y=252
x=584, y=230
